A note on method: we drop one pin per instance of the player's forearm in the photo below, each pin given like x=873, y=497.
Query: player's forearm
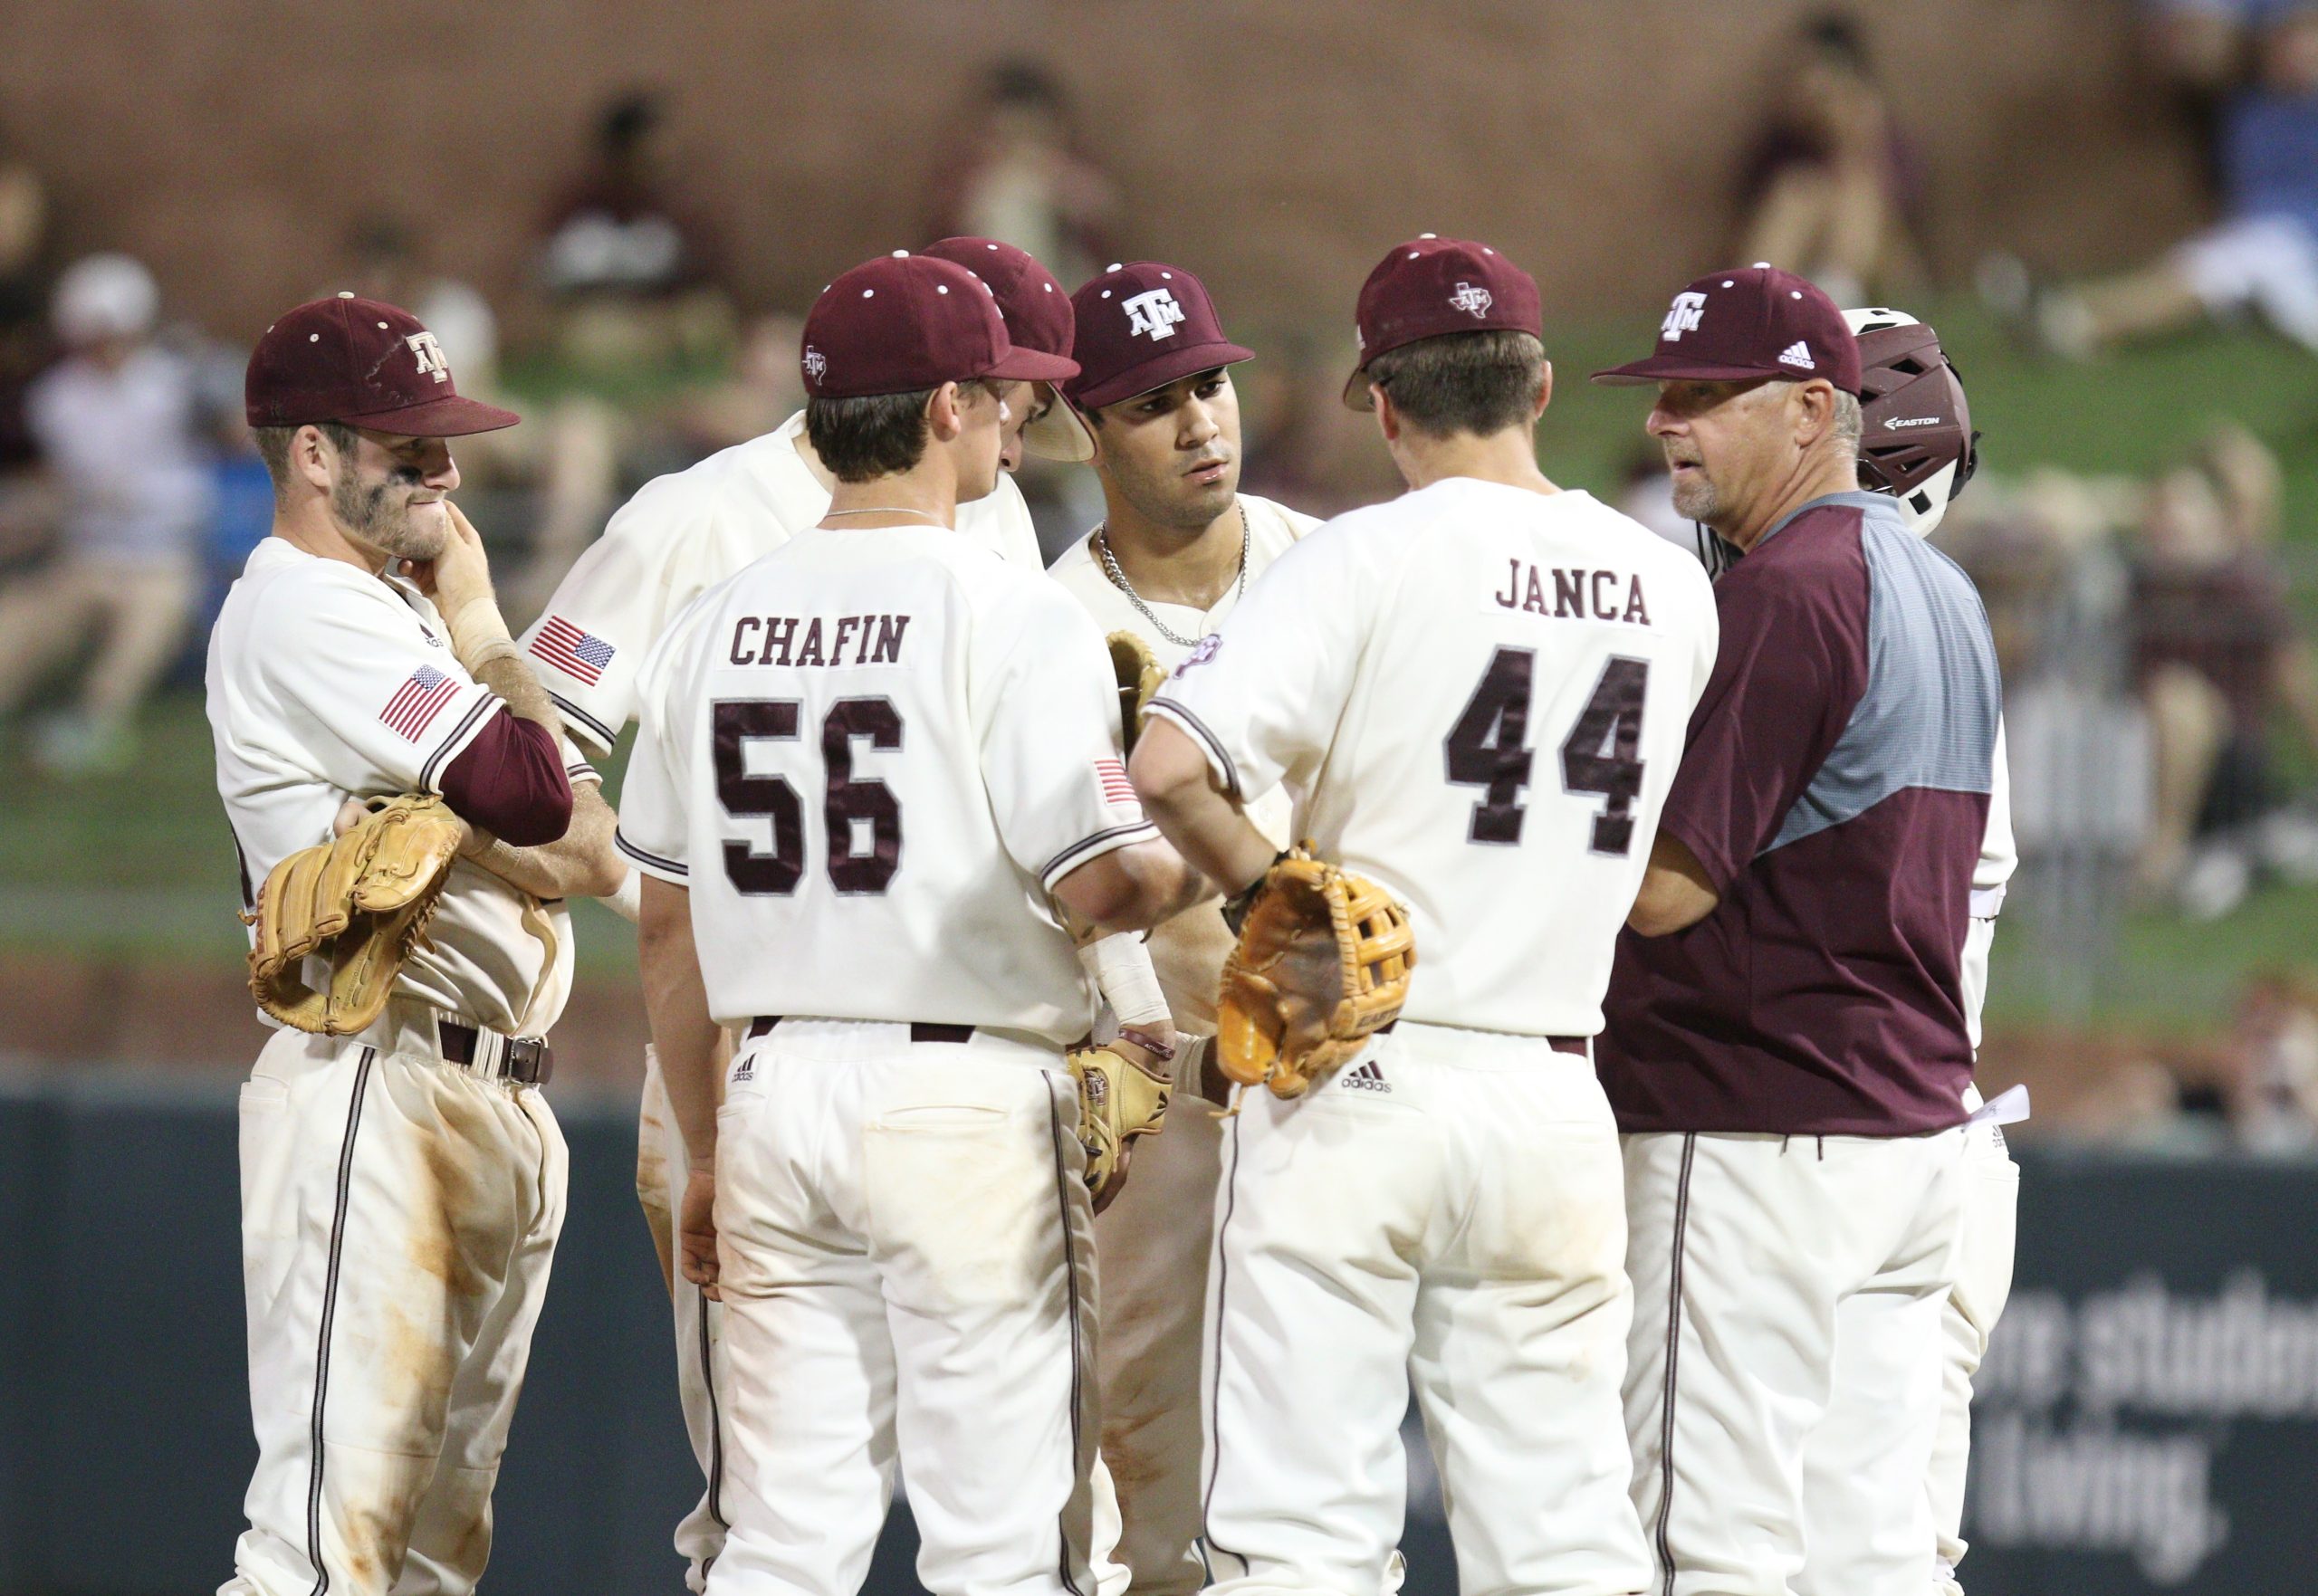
x=581, y=863
x=677, y=1003
x=1676, y=892
x=506, y=674
x=1179, y=793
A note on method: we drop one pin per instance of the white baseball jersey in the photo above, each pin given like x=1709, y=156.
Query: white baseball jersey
x=681, y=535
x=327, y=682
x=1477, y=695
x=870, y=756
x=1187, y=952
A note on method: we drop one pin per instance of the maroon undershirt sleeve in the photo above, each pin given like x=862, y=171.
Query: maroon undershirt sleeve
x=510, y=781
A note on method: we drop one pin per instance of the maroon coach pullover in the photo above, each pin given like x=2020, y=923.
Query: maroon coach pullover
x=1836, y=788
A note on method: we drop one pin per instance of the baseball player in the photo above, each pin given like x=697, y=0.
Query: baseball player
x=681, y=535
x=1475, y=695
x=1786, y=1046
x=869, y=765
x=1918, y=446
x=402, y=1186
x=1178, y=545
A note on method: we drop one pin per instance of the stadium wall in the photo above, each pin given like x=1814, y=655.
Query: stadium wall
x=1275, y=146
x=2148, y=1415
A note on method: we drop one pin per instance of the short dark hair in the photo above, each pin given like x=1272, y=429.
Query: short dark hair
x=1476, y=382
x=879, y=436
x=274, y=446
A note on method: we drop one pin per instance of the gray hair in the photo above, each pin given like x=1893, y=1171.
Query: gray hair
x=1847, y=422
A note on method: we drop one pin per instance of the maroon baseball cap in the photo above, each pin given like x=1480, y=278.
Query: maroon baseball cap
x=1751, y=321
x=902, y=322
x=1037, y=317
x=1432, y=285
x=1142, y=326
x=364, y=363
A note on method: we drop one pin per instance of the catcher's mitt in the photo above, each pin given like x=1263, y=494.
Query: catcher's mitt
x=1139, y=676
x=360, y=900
x=1323, y=960
x=1118, y=1100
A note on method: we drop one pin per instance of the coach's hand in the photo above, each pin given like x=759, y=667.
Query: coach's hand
x=696, y=1227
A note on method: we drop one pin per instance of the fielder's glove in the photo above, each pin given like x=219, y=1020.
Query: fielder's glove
x=1118, y=1100
x=1323, y=961
x=1139, y=676
x=360, y=901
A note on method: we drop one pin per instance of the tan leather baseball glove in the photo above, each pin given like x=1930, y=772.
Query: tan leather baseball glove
x=1139, y=676
x=1323, y=961
x=1118, y=1100
x=360, y=900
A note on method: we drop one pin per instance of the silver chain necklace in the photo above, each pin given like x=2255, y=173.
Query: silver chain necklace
x=1118, y=577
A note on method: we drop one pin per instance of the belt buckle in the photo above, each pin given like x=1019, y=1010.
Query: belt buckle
x=526, y=1059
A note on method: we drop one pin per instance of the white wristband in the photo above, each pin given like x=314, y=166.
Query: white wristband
x=1121, y=966
x=628, y=903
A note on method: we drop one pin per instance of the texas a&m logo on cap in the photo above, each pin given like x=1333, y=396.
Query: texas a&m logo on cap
x=430, y=356
x=817, y=364
x=1155, y=314
x=1474, y=301
x=1682, y=316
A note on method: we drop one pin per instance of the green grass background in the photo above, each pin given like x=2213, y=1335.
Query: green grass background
x=141, y=865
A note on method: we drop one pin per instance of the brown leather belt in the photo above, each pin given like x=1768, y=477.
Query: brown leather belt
x=919, y=1030
x=1576, y=1047
x=527, y=1059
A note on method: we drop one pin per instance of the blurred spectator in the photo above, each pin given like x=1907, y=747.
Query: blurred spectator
x=2217, y=657
x=763, y=391
x=24, y=261
x=1304, y=447
x=558, y=473
x=633, y=275
x=1022, y=179
x=2261, y=256
x=119, y=426
x=1831, y=180
x=2270, y=1066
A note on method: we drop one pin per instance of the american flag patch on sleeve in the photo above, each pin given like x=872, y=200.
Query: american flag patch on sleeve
x=417, y=702
x=581, y=655
x=1117, y=787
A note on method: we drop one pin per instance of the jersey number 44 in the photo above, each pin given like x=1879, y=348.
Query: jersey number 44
x=1488, y=748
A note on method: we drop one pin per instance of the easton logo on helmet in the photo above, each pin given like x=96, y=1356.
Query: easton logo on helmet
x=1682, y=316
x=1474, y=301
x=1894, y=423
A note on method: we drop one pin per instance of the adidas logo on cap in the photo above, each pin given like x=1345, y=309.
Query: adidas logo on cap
x=1797, y=354
x=1368, y=1078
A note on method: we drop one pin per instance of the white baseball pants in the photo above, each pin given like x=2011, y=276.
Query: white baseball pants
x=1152, y=1246
x=1982, y=1285
x=1784, y=1373
x=906, y=1250
x=662, y=1169
x=398, y=1219
x=1443, y=1212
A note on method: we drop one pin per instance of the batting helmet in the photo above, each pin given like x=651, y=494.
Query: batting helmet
x=1916, y=438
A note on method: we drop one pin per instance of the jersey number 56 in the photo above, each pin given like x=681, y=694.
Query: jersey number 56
x=845, y=798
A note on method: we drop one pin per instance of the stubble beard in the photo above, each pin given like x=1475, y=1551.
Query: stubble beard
x=379, y=513
x=1697, y=500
